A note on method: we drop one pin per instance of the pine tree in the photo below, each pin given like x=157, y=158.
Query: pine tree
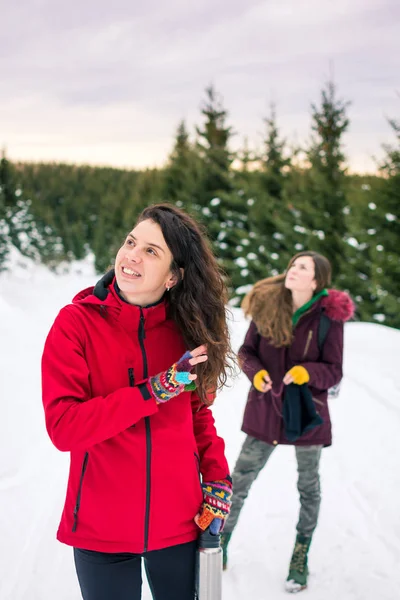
x=222, y=203
x=325, y=185
x=385, y=249
x=183, y=171
x=247, y=159
x=271, y=215
x=213, y=147
x=18, y=226
x=5, y=201
x=275, y=161
x=360, y=191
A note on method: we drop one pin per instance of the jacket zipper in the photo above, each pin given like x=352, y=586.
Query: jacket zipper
x=197, y=458
x=78, y=497
x=308, y=342
x=142, y=337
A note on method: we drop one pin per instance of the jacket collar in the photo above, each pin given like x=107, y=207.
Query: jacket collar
x=111, y=306
x=306, y=307
x=337, y=305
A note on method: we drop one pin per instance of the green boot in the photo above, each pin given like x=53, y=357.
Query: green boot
x=298, y=570
x=224, y=541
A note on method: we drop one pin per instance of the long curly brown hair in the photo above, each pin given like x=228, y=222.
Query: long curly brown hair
x=197, y=302
x=270, y=303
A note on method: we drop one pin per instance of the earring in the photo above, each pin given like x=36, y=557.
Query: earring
x=167, y=288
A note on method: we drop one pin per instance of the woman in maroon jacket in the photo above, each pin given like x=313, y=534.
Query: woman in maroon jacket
x=119, y=395
x=290, y=374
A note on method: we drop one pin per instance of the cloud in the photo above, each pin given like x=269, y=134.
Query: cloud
x=99, y=81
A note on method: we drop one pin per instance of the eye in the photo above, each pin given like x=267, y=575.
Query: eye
x=151, y=251
x=129, y=242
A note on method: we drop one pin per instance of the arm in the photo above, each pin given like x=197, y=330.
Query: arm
x=211, y=447
x=248, y=353
x=75, y=420
x=328, y=372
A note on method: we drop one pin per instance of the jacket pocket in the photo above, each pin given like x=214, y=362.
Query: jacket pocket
x=79, y=494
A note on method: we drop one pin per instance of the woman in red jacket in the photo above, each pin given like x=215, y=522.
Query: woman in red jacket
x=125, y=396
x=291, y=369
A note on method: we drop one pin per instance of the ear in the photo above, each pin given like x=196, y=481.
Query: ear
x=173, y=280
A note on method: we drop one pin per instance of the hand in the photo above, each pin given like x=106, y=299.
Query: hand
x=199, y=355
x=298, y=375
x=178, y=378
x=216, y=505
x=262, y=381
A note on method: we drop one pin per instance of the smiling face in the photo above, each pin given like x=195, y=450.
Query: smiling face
x=300, y=276
x=143, y=265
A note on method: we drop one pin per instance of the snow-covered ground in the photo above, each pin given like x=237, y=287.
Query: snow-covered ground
x=355, y=553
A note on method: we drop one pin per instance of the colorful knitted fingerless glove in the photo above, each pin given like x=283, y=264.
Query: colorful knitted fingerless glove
x=258, y=379
x=174, y=381
x=300, y=374
x=216, y=505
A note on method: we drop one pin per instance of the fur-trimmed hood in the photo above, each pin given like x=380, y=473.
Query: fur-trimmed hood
x=338, y=306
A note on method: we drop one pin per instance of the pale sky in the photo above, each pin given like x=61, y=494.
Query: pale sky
x=108, y=82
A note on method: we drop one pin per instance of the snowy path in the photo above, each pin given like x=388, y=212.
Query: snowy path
x=355, y=554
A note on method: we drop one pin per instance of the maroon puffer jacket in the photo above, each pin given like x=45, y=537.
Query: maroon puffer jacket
x=263, y=413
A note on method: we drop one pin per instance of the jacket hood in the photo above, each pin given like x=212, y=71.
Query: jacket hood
x=338, y=306
x=96, y=294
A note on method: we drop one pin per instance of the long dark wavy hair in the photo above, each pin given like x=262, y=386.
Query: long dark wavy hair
x=197, y=301
x=270, y=303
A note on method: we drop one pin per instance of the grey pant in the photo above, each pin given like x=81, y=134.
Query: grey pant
x=253, y=457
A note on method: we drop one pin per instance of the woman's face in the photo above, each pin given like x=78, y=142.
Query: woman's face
x=300, y=276
x=142, y=265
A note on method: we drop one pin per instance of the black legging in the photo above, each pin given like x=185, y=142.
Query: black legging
x=105, y=576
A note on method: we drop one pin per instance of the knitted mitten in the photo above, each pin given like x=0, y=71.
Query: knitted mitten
x=300, y=375
x=216, y=505
x=174, y=381
x=258, y=379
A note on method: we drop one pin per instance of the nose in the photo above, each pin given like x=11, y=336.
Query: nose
x=133, y=255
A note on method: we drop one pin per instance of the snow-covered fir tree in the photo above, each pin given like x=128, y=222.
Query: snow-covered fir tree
x=385, y=245
x=18, y=226
x=324, y=217
x=222, y=204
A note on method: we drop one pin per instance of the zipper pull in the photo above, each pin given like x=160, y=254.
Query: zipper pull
x=75, y=523
x=308, y=342
x=142, y=333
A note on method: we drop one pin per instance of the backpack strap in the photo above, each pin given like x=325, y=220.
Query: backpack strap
x=323, y=328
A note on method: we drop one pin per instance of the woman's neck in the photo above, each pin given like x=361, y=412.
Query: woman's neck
x=300, y=298
x=142, y=303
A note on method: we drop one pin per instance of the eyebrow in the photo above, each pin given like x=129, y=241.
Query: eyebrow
x=147, y=243
x=303, y=264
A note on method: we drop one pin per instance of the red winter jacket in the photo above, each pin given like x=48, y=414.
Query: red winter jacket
x=134, y=480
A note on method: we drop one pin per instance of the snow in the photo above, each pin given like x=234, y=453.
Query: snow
x=355, y=553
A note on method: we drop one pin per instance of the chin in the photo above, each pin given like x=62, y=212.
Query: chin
x=288, y=284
